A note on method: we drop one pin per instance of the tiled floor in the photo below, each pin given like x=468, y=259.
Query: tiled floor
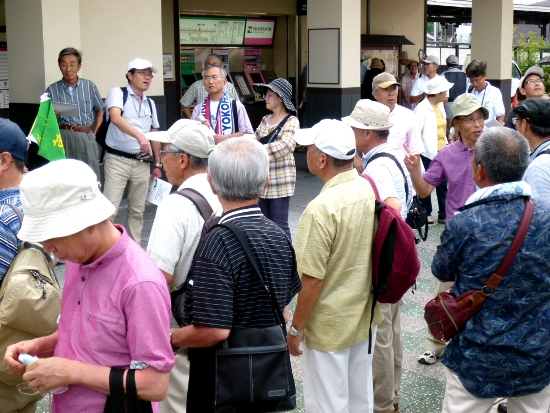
x=423, y=386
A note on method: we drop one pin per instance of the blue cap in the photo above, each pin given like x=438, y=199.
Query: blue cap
x=13, y=140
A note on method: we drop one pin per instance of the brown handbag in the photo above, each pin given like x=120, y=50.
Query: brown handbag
x=447, y=314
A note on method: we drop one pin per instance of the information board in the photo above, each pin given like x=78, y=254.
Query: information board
x=211, y=31
x=259, y=32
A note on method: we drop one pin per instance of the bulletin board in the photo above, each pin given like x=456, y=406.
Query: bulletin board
x=324, y=56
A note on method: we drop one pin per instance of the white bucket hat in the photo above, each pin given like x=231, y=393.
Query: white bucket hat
x=331, y=136
x=369, y=114
x=437, y=85
x=61, y=199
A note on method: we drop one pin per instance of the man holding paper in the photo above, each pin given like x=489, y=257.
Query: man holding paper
x=78, y=106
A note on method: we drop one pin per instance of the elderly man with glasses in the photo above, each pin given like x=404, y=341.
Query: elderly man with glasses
x=129, y=153
x=225, y=116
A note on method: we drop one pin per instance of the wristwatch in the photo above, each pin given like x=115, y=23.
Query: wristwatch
x=294, y=333
x=158, y=165
x=174, y=348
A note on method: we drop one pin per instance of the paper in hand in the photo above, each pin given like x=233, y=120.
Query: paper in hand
x=158, y=190
x=66, y=109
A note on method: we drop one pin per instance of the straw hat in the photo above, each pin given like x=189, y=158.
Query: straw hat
x=375, y=63
x=369, y=114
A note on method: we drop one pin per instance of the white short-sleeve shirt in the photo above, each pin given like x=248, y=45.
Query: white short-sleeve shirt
x=491, y=99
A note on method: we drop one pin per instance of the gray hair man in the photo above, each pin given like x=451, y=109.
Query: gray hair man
x=504, y=349
x=238, y=171
x=115, y=301
x=334, y=307
x=418, y=92
x=227, y=117
x=196, y=93
x=176, y=231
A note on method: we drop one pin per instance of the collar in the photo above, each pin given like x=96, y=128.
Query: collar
x=242, y=212
x=461, y=145
x=192, y=181
x=5, y=192
x=115, y=251
x=131, y=92
x=341, y=178
x=66, y=85
x=539, y=149
x=496, y=198
x=380, y=148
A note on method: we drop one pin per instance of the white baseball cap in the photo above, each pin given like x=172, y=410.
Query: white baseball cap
x=438, y=84
x=331, y=136
x=189, y=136
x=141, y=64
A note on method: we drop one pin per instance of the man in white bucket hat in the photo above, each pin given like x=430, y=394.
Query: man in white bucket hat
x=115, y=304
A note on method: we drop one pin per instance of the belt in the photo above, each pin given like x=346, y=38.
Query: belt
x=120, y=153
x=76, y=128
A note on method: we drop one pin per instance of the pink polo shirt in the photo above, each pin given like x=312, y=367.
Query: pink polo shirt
x=114, y=310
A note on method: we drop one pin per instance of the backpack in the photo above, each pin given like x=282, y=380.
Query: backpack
x=101, y=135
x=392, y=274
x=177, y=297
x=30, y=300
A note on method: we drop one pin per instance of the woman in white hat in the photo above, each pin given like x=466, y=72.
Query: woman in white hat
x=432, y=123
x=277, y=133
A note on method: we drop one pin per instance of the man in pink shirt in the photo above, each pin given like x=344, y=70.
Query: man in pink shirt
x=115, y=307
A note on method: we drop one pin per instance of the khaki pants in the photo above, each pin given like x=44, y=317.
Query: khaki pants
x=119, y=173
x=176, y=399
x=11, y=401
x=458, y=400
x=387, y=363
x=431, y=342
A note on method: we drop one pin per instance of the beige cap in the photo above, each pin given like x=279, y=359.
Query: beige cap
x=189, y=136
x=466, y=104
x=384, y=80
x=369, y=114
x=431, y=59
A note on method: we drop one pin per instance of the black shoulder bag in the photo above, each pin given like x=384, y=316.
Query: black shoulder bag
x=416, y=213
x=275, y=132
x=253, y=372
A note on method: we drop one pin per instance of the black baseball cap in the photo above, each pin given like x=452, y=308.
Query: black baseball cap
x=536, y=110
x=13, y=140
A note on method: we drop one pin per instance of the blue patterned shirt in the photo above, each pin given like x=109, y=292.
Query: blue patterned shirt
x=9, y=227
x=504, y=351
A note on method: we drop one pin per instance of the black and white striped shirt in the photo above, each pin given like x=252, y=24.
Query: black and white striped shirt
x=85, y=95
x=224, y=290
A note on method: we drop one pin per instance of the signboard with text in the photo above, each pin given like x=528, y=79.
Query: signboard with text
x=259, y=32
x=211, y=31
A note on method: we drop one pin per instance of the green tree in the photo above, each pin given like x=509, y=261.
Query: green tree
x=529, y=51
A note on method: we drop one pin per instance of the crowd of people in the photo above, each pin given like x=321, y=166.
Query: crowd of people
x=117, y=308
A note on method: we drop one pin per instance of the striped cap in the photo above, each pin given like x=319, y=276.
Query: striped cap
x=281, y=87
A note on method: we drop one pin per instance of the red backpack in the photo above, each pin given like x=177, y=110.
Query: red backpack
x=395, y=262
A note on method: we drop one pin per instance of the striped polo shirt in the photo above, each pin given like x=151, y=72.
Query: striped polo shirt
x=9, y=227
x=224, y=291
x=84, y=94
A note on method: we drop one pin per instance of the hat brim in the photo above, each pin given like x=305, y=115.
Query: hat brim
x=348, y=120
x=262, y=89
x=445, y=88
x=469, y=112
x=158, y=136
x=153, y=68
x=531, y=71
x=304, y=136
x=387, y=84
x=65, y=222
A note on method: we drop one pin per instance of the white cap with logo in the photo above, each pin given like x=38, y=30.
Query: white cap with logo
x=331, y=136
x=141, y=64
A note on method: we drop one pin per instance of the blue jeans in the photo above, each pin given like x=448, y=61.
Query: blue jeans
x=276, y=209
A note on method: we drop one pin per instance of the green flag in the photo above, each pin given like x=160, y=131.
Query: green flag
x=46, y=132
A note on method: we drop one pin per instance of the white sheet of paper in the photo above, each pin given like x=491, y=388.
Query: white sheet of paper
x=66, y=109
x=158, y=190
x=492, y=123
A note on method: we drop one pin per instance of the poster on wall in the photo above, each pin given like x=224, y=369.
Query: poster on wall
x=167, y=66
x=259, y=32
x=211, y=31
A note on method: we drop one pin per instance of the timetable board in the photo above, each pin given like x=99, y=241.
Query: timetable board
x=211, y=31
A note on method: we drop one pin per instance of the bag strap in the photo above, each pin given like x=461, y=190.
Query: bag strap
x=116, y=390
x=372, y=184
x=393, y=158
x=243, y=240
x=199, y=200
x=235, y=115
x=17, y=212
x=134, y=404
x=117, y=398
x=277, y=130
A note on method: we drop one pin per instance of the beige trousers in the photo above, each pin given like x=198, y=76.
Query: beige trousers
x=431, y=342
x=458, y=400
x=387, y=362
x=121, y=173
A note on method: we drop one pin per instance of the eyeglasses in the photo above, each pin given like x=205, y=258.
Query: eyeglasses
x=213, y=77
x=65, y=66
x=145, y=74
x=516, y=120
x=162, y=153
x=471, y=121
x=536, y=81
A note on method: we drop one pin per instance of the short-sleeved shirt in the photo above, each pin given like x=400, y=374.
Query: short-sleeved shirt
x=115, y=312
x=491, y=99
x=136, y=112
x=538, y=172
x=388, y=178
x=404, y=130
x=242, y=117
x=407, y=83
x=85, y=95
x=9, y=227
x=334, y=244
x=177, y=228
x=453, y=163
x=197, y=93
x=282, y=169
x=225, y=291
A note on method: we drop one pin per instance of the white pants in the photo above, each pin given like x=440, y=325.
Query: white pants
x=339, y=381
x=459, y=400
